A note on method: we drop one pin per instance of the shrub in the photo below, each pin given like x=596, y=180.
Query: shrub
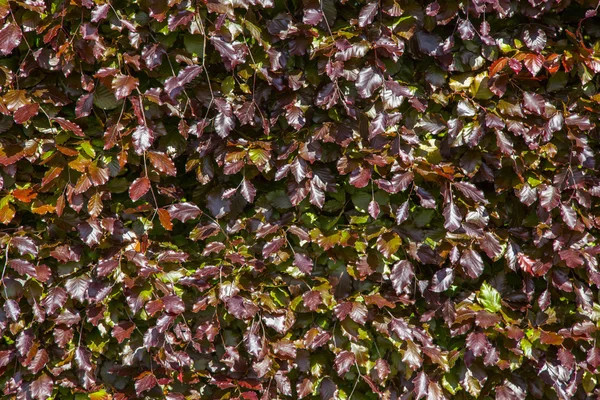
x=265, y=199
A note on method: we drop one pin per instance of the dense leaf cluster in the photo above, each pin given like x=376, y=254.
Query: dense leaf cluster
x=259, y=199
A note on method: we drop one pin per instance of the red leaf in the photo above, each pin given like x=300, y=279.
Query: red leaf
x=184, y=211
x=478, y=343
x=535, y=38
x=303, y=262
x=373, y=209
x=367, y=14
x=41, y=388
x=10, y=38
x=144, y=382
x=25, y=245
x=142, y=139
x=343, y=362
x=138, y=188
x=402, y=276
x=248, y=191
x=534, y=103
x=533, y=63
x=472, y=263
x=39, y=361
x=70, y=126
x=452, y=217
x=25, y=113
x=12, y=309
x=123, y=85
x=369, y=80
x=304, y=387
x=402, y=213
x=123, y=330
x=22, y=267
x=162, y=163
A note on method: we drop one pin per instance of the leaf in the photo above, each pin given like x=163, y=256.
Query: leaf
x=162, y=163
x=39, y=361
x=312, y=300
x=123, y=85
x=497, y=66
x=470, y=190
x=533, y=63
x=10, y=38
x=478, y=343
x=100, y=12
x=303, y=262
x=184, y=211
x=593, y=357
x=549, y=197
x=466, y=29
x=241, y=308
x=83, y=358
x=139, y=188
x=24, y=245
x=367, y=14
x=472, y=263
x=123, y=330
x=369, y=80
x=165, y=219
x=534, y=103
x=373, y=209
x=388, y=244
x=304, y=387
x=579, y=121
x=173, y=304
x=535, y=39
x=343, y=362
x=70, y=126
x=144, y=382
x=453, y=217
x=95, y=205
x=421, y=383
x=402, y=276
x=105, y=267
x=442, y=280
x=26, y=112
x=22, y=267
x=142, y=139
x=272, y=246
x=12, y=309
x=402, y=213
x=248, y=191
x=185, y=76
x=55, y=299
x=569, y=215
x=77, y=287
x=489, y=298
x=41, y=388
x=527, y=194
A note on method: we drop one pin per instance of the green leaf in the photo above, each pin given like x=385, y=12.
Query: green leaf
x=489, y=298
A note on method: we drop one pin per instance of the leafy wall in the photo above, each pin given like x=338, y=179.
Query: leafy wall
x=292, y=199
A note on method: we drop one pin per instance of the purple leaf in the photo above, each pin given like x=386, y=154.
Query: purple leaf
x=367, y=14
x=369, y=80
x=402, y=276
x=343, y=362
x=10, y=38
x=184, y=211
x=472, y=263
x=142, y=139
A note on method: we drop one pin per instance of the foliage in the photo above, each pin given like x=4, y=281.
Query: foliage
x=292, y=199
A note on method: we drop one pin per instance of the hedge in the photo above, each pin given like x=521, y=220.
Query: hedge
x=260, y=199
